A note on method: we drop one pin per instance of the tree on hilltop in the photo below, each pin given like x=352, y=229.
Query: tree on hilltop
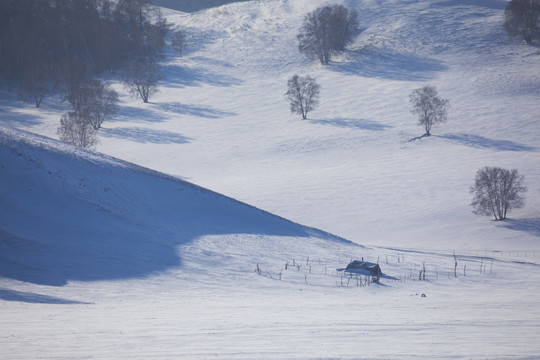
x=327, y=30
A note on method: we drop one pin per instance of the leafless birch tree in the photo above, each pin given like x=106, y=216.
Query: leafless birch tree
x=93, y=100
x=141, y=78
x=429, y=107
x=76, y=129
x=303, y=94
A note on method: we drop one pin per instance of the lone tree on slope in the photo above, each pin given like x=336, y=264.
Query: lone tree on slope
x=429, y=107
x=141, y=78
x=94, y=100
x=522, y=18
x=326, y=30
x=303, y=94
x=178, y=41
x=496, y=191
x=76, y=129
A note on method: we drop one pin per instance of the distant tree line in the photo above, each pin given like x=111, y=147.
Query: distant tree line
x=54, y=46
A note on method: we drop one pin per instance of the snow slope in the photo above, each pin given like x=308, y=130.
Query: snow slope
x=221, y=120
x=89, y=213
x=102, y=258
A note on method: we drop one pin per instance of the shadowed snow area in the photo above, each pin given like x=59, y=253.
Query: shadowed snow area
x=68, y=214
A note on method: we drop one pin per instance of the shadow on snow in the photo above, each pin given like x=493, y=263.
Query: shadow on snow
x=89, y=220
x=531, y=226
x=361, y=124
x=142, y=135
x=488, y=4
x=28, y=297
x=180, y=77
x=138, y=114
x=202, y=111
x=372, y=62
x=158, y=112
x=481, y=142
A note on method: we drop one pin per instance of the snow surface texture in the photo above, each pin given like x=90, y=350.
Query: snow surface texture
x=101, y=258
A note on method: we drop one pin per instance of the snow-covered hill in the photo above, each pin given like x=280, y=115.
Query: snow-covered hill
x=72, y=215
x=222, y=122
x=105, y=259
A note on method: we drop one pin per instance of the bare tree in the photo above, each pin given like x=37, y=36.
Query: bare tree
x=522, y=18
x=178, y=41
x=103, y=105
x=141, y=78
x=76, y=129
x=303, y=94
x=35, y=78
x=80, y=94
x=429, y=107
x=94, y=100
x=326, y=30
x=34, y=83
x=496, y=191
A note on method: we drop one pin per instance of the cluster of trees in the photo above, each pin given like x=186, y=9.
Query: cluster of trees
x=92, y=102
x=522, y=18
x=53, y=46
x=324, y=32
x=61, y=46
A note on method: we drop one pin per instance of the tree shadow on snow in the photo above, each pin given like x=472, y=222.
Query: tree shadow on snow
x=28, y=297
x=139, y=114
x=477, y=141
x=361, y=124
x=180, y=77
x=531, y=226
x=202, y=111
x=488, y=4
x=12, y=113
x=373, y=62
x=142, y=135
x=417, y=138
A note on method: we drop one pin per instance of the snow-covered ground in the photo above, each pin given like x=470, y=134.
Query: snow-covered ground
x=101, y=258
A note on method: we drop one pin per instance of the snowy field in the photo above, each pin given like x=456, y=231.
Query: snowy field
x=101, y=258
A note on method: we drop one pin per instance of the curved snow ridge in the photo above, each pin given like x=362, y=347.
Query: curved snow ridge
x=118, y=186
